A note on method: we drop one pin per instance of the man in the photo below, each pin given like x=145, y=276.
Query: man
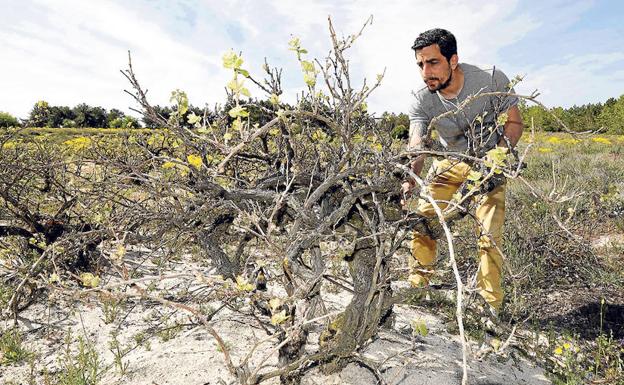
x=471, y=129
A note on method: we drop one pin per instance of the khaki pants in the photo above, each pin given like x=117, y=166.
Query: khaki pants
x=448, y=175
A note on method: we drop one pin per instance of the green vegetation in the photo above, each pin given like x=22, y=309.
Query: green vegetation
x=557, y=281
x=608, y=116
x=119, y=353
x=12, y=348
x=543, y=259
x=8, y=120
x=44, y=115
x=83, y=367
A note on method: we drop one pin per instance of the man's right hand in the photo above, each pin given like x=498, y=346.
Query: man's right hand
x=406, y=191
x=408, y=185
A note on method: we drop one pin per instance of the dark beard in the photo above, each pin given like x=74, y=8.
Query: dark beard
x=443, y=85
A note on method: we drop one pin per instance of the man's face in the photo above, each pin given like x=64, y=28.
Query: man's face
x=435, y=70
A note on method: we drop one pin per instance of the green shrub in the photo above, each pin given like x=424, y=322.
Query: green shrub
x=81, y=368
x=400, y=132
x=8, y=120
x=12, y=348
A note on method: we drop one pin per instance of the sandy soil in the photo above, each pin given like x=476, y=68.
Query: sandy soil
x=188, y=355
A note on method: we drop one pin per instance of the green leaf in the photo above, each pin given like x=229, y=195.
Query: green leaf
x=319, y=135
x=232, y=60
x=238, y=111
x=274, y=304
x=496, y=157
x=243, y=72
x=295, y=44
x=179, y=98
x=168, y=165
x=307, y=66
x=279, y=318
x=119, y=253
x=243, y=285
x=235, y=85
x=309, y=79
x=237, y=124
x=474, y=176
x=192, y=118
x=502, y=119
x=419, y=328
x=89, y=280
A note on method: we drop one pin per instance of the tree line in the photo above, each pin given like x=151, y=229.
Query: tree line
x=608, y=116
x=83, y=115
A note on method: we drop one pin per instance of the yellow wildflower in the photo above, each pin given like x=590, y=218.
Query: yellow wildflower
x=570, y=141
x=78, y=144
x=601, y=140
x=195, y=161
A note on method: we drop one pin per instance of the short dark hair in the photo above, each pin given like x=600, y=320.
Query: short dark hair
x=439, y=36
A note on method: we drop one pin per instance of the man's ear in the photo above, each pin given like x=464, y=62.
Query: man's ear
x=454, y=61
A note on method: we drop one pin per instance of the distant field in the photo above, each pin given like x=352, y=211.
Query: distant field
x=548, y=138
x=80, y=131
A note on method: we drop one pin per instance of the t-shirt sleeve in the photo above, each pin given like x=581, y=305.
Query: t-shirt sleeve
x=501, y=83
x=419, y=121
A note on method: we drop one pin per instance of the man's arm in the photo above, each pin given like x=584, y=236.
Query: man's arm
x=419, y=122
x=417, y=163
x=513, y=128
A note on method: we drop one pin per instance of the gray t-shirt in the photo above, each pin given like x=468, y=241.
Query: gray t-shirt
x=473, y=127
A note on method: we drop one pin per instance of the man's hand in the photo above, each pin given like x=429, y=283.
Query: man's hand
x=406, y=191
x=408, y=185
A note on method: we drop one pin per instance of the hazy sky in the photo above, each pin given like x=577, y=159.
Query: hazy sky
x=71, y=51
